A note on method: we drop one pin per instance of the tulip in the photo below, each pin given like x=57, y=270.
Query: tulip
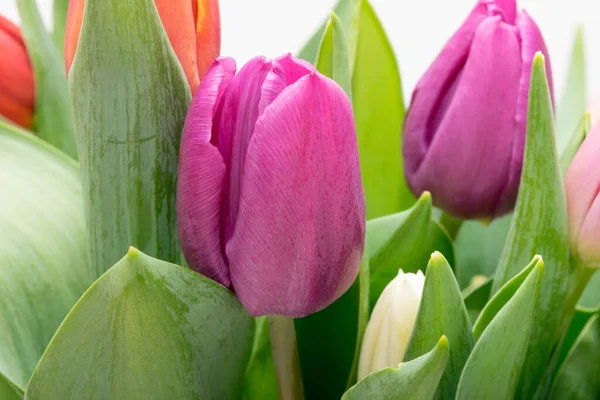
x=464, y=133
x=17, y=87
x=193, y=28
x=270, y=200
x=582, y=187
x=391, y=323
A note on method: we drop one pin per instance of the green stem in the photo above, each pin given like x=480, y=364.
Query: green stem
x=285, y=358
x=451, y=223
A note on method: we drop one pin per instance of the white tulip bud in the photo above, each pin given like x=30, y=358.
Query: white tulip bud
x=391, y=323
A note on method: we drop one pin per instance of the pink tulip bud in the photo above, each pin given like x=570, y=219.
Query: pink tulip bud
x=582, y=186
x=270, y=200
x=464, y=134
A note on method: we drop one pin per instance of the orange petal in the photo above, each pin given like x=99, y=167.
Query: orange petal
x=208, y=30
x=72, y=30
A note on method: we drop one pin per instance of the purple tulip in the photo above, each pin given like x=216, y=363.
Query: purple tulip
x=270, y=199
x=464, y=133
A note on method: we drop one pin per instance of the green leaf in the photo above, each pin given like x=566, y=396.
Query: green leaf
x=572, y=105
x=477, y=295
x=59, y=21
x=539, y=226
x=479, y=247
x=332, y=58
x=493, y=368
x=52, y=120
x=591, y=295
x=130, y=98
x=578, y=377
x=568, y=154
x=378, y=106
x=148, y=329
x=439, y=240
x=397, y=241
x=43, y=248
x=329, y=341
x=503, y=296
x=442, y=312
x=8, y=391
x=260, y=382
x=412, y=380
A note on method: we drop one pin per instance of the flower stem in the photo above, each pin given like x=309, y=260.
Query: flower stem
x=285, y=358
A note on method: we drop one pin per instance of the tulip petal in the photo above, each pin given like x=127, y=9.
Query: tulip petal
x=429, y=94
x=208, y=32
x=477, y=124
x=299, y=234
x=201, y=178
x=235, y=119
x=531, y=42
x=72, y=30
x=582, y=187
x=506, y=8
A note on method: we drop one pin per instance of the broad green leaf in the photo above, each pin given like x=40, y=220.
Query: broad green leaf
x=578, y=377
x=442, y=312
x=53, y=119
x=378, y=106
x=493, y=368
x=539, y=226
x=503, y=296
x=575, y=142
x=329, y=340
x=572, y=105
x=332, y=58
x=479, y=247
x=130, y=98
x=260, y=382
x=397, y=241
x=43, y=248
x=8, y=391
x=59, y=20
x=412, y=380
x=148, y=329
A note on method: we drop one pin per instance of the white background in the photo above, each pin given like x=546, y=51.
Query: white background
x=417, y=29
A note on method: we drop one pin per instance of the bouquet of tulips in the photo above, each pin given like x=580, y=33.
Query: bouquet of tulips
x=173, y=226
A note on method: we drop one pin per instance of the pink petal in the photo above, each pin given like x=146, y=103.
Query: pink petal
x=466, y=165
x=299, y=235
x=201, y=178
x=506, y=8
x=582, y=187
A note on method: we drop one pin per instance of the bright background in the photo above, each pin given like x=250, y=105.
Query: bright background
x=417, y=29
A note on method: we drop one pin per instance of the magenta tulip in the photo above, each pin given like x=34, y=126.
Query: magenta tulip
x=270, y=199
x=582, y=186
x=464, y=134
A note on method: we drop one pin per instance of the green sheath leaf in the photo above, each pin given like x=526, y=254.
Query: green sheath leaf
x=539, y=226
x=130, y=99
x=442, y=312
x=148, y=329
x=333, y=55
x=568, y=154
x=412, y=380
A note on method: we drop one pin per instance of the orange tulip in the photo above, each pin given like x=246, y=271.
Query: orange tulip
x=17, y=87
x=193, y=28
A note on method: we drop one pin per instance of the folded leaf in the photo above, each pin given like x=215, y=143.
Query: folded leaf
x=148, y=329
x=53, y=118
x=493, y=368
x=579, y=135
x=442, y=312
x=9, y=391
x=539, y=226
x=329, y=341
x=477, y=295
x=59, y=20
x=260, y=382
x=332, y=56
x=378, y=106
x=572, y=105
x=43, y=248
x=130, y=98
x=412, y=380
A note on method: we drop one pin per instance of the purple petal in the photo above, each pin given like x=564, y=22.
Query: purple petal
x=433, y=92
x=505, y=8
x=299, y=235
x=466, y=165
x=201, y=178
x=531, y=42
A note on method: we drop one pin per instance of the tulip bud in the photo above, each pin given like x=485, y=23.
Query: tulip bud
x=17, y=88
x=193, y=28
x=269, y=197
x=391, y=324
x=464, y=133
x=582, y=187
